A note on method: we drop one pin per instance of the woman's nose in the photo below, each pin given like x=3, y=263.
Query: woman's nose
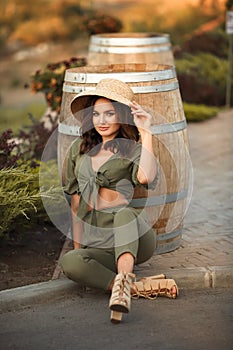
x=102, y=119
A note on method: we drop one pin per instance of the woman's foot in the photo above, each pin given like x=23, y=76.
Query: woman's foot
x=120, y=301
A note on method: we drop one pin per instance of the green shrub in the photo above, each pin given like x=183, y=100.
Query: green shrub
x=198, y=113
x=202, y=79
x=214, y=42
x=21, y=196
x=26, y=183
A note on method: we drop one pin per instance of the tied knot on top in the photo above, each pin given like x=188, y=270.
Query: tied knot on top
x=93, y=184
x=91, y=187
x=101, y=180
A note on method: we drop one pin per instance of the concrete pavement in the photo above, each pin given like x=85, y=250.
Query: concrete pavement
x=197, y=320
x=204, y=259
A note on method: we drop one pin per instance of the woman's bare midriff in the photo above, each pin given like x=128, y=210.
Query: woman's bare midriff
x=108, y=198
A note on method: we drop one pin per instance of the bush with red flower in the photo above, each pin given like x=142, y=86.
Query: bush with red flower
x=50, y=80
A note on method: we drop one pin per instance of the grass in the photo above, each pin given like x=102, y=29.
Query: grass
x=17, y=117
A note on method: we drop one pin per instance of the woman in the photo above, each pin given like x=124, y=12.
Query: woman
x=103, y=168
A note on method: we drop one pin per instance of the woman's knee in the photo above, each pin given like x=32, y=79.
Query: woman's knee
x=147, y=245
x=73, y=265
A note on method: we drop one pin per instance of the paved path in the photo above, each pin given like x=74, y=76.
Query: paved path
x=208, y=229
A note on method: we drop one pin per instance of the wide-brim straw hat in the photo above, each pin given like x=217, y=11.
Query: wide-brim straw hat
x=112, y=89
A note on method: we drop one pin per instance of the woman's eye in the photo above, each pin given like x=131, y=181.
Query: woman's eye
x=105, y=114
x=110, y=114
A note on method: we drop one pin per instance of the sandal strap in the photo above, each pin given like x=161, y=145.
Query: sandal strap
x=154, y=277
x=152, y=288
x=121, y=291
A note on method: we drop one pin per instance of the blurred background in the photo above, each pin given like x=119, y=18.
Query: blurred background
x=53, y=31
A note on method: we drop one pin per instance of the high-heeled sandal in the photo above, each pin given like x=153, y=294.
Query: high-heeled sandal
x=120, y=301
x=152, y=287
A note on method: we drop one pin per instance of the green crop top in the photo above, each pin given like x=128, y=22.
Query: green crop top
x=117, y=173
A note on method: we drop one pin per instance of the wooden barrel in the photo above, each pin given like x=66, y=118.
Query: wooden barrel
x=118, y=48
x=156, y=88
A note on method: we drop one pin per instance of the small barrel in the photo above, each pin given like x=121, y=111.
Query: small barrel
x=156, y=88
x=118, y=48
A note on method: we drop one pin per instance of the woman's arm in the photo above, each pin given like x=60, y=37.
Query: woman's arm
x=147, y=166
x=77, y=226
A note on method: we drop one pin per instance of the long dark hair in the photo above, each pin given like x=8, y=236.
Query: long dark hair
x=92, y=140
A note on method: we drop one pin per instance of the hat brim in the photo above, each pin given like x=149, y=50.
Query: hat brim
x=80, y=101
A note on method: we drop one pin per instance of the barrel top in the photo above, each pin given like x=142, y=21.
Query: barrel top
x=129, y=39
x=77, y=76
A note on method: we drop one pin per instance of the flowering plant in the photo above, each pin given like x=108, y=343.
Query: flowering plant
x=50, y=80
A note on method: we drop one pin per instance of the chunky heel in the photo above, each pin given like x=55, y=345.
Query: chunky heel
x=116, y=317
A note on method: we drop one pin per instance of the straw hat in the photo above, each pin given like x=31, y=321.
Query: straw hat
x=112, y=89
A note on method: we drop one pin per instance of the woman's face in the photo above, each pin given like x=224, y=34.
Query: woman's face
x=105, y=119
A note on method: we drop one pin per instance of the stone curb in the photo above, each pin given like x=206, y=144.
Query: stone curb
x=32, y=294
x=190, y=278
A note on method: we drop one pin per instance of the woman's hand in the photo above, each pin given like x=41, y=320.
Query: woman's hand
x=142, y=119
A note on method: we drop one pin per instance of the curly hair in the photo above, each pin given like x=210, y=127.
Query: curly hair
x=92, y=140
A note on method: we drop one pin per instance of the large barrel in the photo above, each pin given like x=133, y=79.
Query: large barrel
x=118, y=48
x=156, y=88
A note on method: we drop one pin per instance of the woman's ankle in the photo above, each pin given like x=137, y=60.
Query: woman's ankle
x=111, y=285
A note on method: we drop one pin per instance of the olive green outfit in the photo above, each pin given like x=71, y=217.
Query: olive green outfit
x=110, y=232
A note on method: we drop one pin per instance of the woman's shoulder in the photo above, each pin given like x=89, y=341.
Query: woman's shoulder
x=74, y=148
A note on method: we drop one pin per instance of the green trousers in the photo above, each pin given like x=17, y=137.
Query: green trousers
x=124, y=230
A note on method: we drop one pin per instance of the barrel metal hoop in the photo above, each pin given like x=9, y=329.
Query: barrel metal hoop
x=169, y=235
x=127, y=77
x=155, y=88
x=76, y=89
x=71, y=130
x=76, y=77
x=122, y=41
x=168, y=128
x=159, y=200
x=136, y=89
x=167, y=247
x=129, y=50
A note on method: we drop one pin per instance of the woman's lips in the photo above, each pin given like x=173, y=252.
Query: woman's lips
x=103, y=128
